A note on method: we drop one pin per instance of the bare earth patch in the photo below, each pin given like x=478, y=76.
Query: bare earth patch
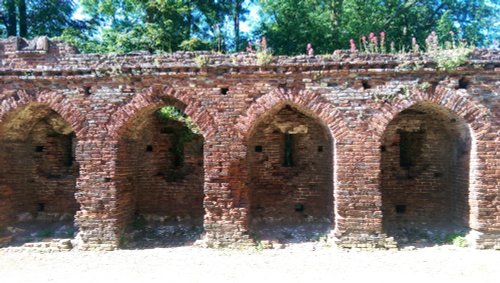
x=297, y=263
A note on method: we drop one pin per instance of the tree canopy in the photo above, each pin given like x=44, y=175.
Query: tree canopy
x=289, y=25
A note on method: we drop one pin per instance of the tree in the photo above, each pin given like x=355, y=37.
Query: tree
x=29, y=18
x=156, y=25
x=329, y=24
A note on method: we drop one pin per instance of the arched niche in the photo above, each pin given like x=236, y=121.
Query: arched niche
x=426, y=152
x=290, y=176
x=160, y=177
x=38, y=175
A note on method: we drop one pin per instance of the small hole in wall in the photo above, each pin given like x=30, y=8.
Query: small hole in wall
x=400, y=208
x=107, y=180
x=258, y=148
x=382, y=148
x=299, y=207
x=282, y=85
x=463, y=83
x=86, y=91
x=366, y=85
x=149, y=148
x=224, y=90
x=320, y=148
x=39, y=148
x=40, y=207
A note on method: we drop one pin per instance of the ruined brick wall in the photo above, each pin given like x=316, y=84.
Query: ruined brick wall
x=425, y=157
x=355, y=97
x=295, y=188
x=162, y=186
x=38, y=168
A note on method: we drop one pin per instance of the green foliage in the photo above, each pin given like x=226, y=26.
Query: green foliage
x=201, y=61
x=450, y=59
x=329, y=24
x=456, y=239
x=122, y=26
x=155, y=25
x=174, y=113
x=264, y=58
x=42, y=17
x=186, y=134
x=424, y=86
x=82, y=41
x=194, y=43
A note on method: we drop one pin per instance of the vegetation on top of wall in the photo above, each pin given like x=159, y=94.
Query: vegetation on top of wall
x=264, y=55
x=184, y=135
x=201, y=61
x=174, y=113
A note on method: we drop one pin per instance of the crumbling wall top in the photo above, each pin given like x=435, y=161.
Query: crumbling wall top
x=18, y=56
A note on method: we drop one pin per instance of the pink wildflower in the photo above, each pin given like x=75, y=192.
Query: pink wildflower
x=263, y=44
x=353, y=45
x=249, y=47
x=309, y=49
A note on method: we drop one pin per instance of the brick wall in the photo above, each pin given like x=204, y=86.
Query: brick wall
x=38, y=170
x=297, y=188
x=425, y=169
x=355, y=100
x=148, y=166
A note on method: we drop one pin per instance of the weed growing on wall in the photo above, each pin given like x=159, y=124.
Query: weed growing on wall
x=264, y=55
x=186, y=134
x=201, y=61
x=448, y=56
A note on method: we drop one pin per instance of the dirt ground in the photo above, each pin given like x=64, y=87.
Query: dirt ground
x=296, y=263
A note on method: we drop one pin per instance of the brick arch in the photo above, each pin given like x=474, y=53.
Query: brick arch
x=55, y=101
x=473, y=114
x=153, y=98
x=306, y=101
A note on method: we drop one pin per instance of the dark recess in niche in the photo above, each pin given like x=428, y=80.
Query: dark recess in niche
x=366, y=84
x=224, y=90
x=40, y=207
x=166, y=130
x=288, y=158
x=149, y=148
x=410, y=147
x=86, y=90
x=70, y=151
x=320, y=148
x=463, y=83
x=299, y=207
x=39, y=148
x=400, y=208
x=258, y=148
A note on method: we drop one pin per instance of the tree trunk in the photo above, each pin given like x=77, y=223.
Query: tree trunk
x=236, y=20
x=23, y=26
x=11, y=18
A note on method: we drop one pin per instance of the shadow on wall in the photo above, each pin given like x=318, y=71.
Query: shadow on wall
x=160, y=179
x=425, y=175
x=38, y=177
x=290, y=171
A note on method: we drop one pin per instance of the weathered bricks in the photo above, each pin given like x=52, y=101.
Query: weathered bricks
x=356, y=99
